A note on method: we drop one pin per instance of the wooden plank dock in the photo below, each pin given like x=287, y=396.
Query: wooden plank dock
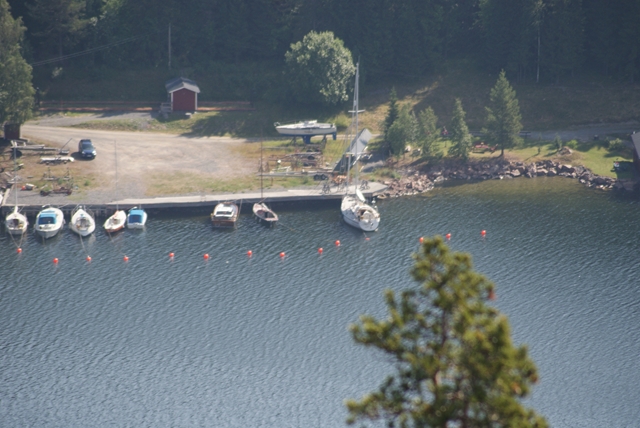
x=176, y=203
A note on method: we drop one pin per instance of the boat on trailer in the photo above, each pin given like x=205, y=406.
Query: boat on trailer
x=308, y=127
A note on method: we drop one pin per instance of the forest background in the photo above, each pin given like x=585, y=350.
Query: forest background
x=582, y=55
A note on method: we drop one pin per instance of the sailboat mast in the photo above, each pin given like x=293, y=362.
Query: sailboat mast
x=355, y=102
x=261, y=169
x=115, y=147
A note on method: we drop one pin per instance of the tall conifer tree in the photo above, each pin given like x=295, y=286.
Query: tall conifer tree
x=459, y=133
x=455, y=363
x=503, y=116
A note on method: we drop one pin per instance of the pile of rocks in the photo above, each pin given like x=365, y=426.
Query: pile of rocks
x=414, y=182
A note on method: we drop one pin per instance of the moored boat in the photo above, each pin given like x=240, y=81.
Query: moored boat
x=49, y=222
x=116, y=222
x=225, y=214
x=82, y=222
x=264, y=214
x=136, y=218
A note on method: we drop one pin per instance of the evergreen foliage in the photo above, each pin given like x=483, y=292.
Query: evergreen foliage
x=402, y=132
x=455, y=363
x=503, y=116
x=59, y=24
x=459, y=133
x=319, y=69
x=427, y=132
x=16, y=90
x=392, y=112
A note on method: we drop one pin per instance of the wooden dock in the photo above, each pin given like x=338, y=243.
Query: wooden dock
x=177, y=203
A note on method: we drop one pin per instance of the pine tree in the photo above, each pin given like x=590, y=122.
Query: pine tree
x=454, y=359
x=392, y=113
x=402, y=132
x=503, y=116
x=427, y=131
x=16, y=90
x=459, y=133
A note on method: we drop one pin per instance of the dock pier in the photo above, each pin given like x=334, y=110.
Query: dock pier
x=199, y=202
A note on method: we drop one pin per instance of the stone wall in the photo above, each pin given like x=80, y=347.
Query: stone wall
x=414, y=182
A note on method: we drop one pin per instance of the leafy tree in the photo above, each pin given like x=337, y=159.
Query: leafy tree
x=455, y=363
x=392, y=113
x=427, y=131
x=402, y=132
x=319, y=68
x=503, y=116
x=59, y=22
x=16, y=90
x=459, y=133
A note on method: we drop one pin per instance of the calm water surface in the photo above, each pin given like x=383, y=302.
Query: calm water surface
x=235, y=341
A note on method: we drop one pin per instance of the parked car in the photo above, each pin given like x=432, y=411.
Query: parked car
x=86, y=149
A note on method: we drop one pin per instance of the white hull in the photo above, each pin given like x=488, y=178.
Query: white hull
x=310, y=127
x=136, y=219
x=82, y=223
x=359, y=214
x=16, y=223
x=225, y=214
x=116, y=222
x=49, y=222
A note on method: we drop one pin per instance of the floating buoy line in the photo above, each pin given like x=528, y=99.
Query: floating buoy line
x=206, y=256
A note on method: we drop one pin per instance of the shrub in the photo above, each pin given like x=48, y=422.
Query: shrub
x=572, y=144
x=616, y=145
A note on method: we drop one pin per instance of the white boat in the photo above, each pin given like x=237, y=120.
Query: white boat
x=116, y=222
x=308, y=127
x=355, y=210
x=263, y=213
x=225, y=214
x=82, y=222
x=49, y=221
x=136, y=218
x=15, y=221
x=357, y=213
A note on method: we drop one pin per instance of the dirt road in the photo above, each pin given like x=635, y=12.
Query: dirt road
x=142, y=157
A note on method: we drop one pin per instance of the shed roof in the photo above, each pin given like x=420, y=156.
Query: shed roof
x=635, y=137
x=180, y=83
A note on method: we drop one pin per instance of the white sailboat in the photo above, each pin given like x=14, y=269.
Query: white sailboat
x=49, y=221
x=16, y=222
x=263, y=213
x=355, y=210
x=117, y=221
x=82, y=222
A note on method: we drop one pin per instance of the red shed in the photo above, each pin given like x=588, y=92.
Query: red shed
x=183, y=94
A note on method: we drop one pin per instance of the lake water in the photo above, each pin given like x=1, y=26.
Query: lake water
x=235, y=341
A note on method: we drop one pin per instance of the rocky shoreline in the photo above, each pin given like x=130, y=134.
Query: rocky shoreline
x=415, y=182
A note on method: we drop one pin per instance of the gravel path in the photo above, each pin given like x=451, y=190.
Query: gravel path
x=140, y=157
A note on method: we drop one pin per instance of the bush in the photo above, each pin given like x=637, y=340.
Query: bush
x=616, y=145
x=572, y=144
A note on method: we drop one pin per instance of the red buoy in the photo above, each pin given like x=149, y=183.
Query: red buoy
x=448, y=236
x=249, y=253
x=19, y=250
x=206, y=256
x=282, y=254
x=421, y=239
x=337, y=243
x=320, y=250
x=483, y=233
x=55, y=261
x=125, y=258
x=171, y=255
x=88, y=258
x=366, y=239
